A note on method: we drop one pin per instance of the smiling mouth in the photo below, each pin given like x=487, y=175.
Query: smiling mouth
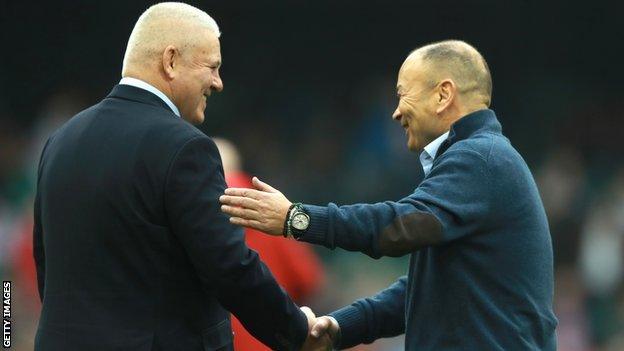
x=406, y=128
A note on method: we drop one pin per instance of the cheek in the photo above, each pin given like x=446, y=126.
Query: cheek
x=411, y=107
x=410, y=113
x=405, y=110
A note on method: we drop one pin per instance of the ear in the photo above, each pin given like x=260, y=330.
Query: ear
x=446, y=92
x=170, y=60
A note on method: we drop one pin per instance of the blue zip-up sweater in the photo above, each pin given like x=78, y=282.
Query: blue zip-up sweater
x=481, y=268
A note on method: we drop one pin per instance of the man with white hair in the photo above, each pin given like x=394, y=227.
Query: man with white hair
x=131, y=249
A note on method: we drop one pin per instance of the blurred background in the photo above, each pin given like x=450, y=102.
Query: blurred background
x=309, y=92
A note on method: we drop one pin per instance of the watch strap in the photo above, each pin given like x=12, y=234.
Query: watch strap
x=287, y=220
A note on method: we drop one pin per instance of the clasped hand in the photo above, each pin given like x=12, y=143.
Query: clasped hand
x=322, y=334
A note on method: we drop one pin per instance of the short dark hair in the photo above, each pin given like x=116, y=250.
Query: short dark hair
x=462, y=62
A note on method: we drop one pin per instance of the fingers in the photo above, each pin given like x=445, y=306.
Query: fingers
x=325, y=325
x=309, y=315
x=249, y=223
x=321, y=336
x=258, y=209
x=244, y=213
x=239, y=201
x=320, y=327
x=260, y=185
x=308, y=312
x=244, y=192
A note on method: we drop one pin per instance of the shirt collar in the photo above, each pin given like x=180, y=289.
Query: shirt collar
x=146, y=86
x=430, y=151
x=432, y=148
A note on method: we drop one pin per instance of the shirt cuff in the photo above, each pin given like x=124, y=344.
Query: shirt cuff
x=317, y=231
x=352, y=323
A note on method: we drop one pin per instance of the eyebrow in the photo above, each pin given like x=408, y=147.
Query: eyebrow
x=211, y=63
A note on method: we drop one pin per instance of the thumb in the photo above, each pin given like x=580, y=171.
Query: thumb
x=307, y=311
x=260, y=185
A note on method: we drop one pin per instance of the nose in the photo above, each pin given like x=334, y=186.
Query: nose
x=396, y=115
x=217, y=83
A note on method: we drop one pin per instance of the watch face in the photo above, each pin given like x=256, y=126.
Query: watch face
x=300, y=221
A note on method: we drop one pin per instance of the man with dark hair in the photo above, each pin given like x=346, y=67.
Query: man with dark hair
x=481, y=269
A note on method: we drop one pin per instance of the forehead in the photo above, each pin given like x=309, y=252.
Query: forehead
x=207, y=45
x=412, y=71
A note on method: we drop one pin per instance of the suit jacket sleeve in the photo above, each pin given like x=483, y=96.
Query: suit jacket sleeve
x=38, y=250
x=218, y=251
x=369, y=319
x=450, y=203
x=38, y=247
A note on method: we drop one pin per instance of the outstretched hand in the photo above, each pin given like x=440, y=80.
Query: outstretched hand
x=263, y=208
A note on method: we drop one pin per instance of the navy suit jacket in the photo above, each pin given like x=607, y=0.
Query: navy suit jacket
x=132, y=250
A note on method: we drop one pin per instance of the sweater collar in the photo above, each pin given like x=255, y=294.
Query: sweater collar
x=476, y=122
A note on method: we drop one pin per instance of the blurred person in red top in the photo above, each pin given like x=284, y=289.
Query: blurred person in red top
x=294, y=264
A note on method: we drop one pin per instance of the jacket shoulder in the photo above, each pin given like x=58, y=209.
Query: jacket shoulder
x=159, y=125
x=153, y=133
x=485, y=144
x=480, y=144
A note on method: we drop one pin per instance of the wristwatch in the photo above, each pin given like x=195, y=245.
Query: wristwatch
x=297, y=221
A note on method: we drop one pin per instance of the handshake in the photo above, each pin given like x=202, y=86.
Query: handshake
x=323, y=332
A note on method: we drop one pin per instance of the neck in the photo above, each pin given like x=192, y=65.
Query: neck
x=458, y=112
x=156, y=82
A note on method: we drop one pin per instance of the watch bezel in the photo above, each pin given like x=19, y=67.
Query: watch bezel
x=298, y=214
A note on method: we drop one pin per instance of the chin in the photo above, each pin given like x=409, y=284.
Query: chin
x=200, y=115
x=412, y=145
x=195, y=119
x=199, y=119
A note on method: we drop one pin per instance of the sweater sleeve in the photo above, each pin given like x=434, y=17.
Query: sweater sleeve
x=369, y=319
x=449, y=204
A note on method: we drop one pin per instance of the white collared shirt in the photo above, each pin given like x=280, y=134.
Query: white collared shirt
x=146, y=86
x=430, y=151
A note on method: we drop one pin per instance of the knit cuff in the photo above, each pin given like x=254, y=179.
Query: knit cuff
x=317, y=231
x=352, y=323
